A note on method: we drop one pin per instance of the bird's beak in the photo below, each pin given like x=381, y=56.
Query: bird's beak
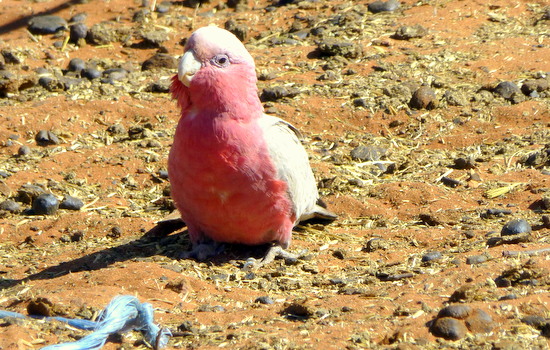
x=188, y=66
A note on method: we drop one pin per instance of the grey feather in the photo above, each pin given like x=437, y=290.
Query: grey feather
x=292, y=163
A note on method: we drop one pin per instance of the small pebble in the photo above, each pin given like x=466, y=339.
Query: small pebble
x=506, y=89
x=78, y=31
x=430, y=256
x=508, y=297
x=114, y=74
x=76, y=65
x=464, y=163
x=515, y=227
x=23, y=150
x=11, y=206
x=48, y=24
x=45, y=138
x=71, y=203
x=383, y=6
x=264, y=300
x=479, y=322
x=476, y=259
x=45, y=204
x=458, y=311
x=90, y=73
x=448, y=328
x=450, y=182
x=423, y=98
x=79, y=17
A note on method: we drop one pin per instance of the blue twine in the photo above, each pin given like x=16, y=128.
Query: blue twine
x=123, y=313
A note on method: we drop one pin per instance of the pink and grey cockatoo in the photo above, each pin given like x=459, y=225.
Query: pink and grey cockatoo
x=237, y=175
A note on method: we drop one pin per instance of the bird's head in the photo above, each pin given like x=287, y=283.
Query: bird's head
x=215, y=72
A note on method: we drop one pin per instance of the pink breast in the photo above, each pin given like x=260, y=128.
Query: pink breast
x=225, y=186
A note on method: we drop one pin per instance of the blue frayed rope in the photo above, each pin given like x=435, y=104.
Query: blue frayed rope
x=123, y=313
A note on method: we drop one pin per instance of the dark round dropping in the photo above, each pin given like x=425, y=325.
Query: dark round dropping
x=71, y=203
x=45, y=204
x=515, y=227
x=45, y=138
x=77, y=65
x=90, y=73
x=78, y=31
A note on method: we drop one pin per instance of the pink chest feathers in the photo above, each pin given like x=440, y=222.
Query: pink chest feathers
x=225, y=185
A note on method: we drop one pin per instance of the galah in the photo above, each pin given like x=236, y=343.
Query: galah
x=237, y=175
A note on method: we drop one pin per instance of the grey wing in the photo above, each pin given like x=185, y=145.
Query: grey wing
x=292, y=163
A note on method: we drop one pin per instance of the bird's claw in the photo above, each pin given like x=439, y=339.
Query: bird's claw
x=275, y=251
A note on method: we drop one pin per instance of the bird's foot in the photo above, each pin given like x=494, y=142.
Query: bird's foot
x=203, y=250
x=275, y=251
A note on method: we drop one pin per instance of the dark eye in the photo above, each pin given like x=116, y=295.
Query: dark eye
x=220, y=60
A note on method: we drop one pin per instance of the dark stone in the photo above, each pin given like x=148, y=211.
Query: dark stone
x=45, y=204
x=264, y=300
x=114, y=74
x=423, y=98
x=479, y=322
x=458, y=311
x=71, y=203
x=383, y=6
x=90, y=73
x=79, y=17
x=476, y=259
x=23, y=150
x=76, y=65
x=11, y=206
x=78, y=31
x=506, y=89
x=46, y=138
x=450, y=182
x=47, y=24
x=448, y=328
x=515, y=227
x=464, y=163
x=431, y=256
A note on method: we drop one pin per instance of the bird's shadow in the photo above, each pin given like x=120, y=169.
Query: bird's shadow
x=157, y=241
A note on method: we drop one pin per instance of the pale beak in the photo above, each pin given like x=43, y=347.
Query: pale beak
x=187, y=67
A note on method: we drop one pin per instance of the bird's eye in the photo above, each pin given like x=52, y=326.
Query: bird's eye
x=220, y=60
